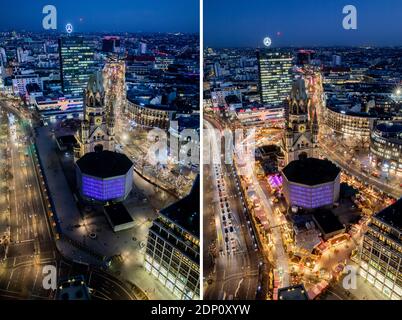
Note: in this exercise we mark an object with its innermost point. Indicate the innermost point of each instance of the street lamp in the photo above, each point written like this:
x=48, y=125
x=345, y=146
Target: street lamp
x=125, y=137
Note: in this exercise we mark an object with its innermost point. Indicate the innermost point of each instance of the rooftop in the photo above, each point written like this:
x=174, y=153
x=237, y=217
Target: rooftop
x=327, y=221
x=297, y=292
x=188, y=122
x=143, y=97
x=351, y=113
x=311, y=171
x=118, y=214
x=232, y=99
x=392, y=215
x=104, y=164
x=269, y=149
x=390, y=127
x=186, y=212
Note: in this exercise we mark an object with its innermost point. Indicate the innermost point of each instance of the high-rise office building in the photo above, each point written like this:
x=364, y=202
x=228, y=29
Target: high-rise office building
x=143, y=48
x=76, y=64
x=3, y=57
x=173, y=248
x=336, y=60
x=381, y=254
x=275, y=78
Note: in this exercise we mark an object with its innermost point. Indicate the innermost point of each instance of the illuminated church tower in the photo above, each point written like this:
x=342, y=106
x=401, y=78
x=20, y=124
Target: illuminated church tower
x=300, y=139
x=97, y=128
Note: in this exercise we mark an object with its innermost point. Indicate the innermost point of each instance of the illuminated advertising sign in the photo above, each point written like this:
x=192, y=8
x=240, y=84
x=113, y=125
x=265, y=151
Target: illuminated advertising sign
x=60, y=105
x=69, y=28
x=267, y=41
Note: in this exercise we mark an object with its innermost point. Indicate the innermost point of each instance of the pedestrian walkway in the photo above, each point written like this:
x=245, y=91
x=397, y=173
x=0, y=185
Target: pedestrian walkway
x=75, y=242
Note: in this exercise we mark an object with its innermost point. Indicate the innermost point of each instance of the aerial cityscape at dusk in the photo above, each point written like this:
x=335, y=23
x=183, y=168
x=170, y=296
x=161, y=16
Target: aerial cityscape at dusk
x=311, y=210
x=81, y=192
x=249, y=158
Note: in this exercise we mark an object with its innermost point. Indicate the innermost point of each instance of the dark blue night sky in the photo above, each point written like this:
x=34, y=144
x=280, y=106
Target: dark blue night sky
x=105, y=15
x=244, y=23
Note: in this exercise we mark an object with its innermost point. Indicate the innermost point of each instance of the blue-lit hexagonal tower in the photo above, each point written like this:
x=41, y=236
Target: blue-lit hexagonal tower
x=311, y=183
x=104, y=176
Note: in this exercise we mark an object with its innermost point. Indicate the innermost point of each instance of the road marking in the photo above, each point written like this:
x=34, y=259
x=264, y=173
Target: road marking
x=117, y=284
x=89, y=278
x=25, y=241
x=9, y=281
x=36, y=278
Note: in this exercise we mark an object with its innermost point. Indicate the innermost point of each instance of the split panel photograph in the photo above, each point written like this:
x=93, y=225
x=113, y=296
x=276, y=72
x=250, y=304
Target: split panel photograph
x=200, y=157
x=302, y=150
x=99, y=116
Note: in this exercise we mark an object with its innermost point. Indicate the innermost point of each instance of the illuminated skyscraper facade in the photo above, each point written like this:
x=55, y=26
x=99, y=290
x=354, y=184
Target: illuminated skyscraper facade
x=275, y=78
x=173, y=248
x=381, y=255
x=76, y=64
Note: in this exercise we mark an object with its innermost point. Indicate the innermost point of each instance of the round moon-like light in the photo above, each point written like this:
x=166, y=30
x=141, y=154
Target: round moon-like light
x=69, y=28
x=267, y=41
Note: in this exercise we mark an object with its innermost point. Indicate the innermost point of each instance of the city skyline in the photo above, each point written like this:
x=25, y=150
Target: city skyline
x=300, y=23
x=154, y=16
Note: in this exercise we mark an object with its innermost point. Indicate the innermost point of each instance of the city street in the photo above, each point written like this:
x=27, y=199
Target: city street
x=277, y=253
x=31, y=241
x=231, y=271
x=328, y=147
